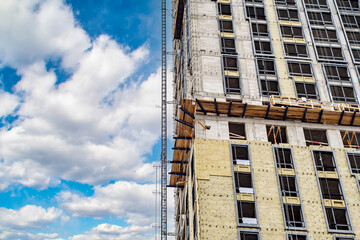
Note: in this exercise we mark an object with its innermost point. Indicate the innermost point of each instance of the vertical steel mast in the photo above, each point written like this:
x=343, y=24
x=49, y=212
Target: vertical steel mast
x=163, y=125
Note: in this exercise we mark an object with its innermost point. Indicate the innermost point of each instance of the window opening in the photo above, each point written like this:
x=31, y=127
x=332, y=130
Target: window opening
x=315, y=137
x=331, y=189
x=230, y=63
x=350, y=21
x=254, y=1
x=288, y=14
x=262, y=47
x=255, y=12
x=306, y=90
x=237, y=131
x=337, y=219
x=342, y=93
x=243, y=182
x=337, y=73
x=226, y=26
x=324, y=161
x=291, y=31
x=290, y=3
x=354, y=161
x=320, y=18
x=293, y=215
x=259, y=29
x=224, y=9
x=239, y=152
x=300, y=69
x=348, y=5
x=296, y=237
x=330, y=53
x=249, y=235
x=324, y=35
x=267, y=76
x=316, y=4
x=232, y=85
x=344, y=238
x=356, y=54
x=353, y=37
x=228, y=45
x=295, y=50
x=350, y=139
x=276, y=134
x=283, y=158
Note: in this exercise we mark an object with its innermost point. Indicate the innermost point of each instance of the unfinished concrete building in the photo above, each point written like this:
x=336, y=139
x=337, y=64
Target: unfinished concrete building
x=267, y=136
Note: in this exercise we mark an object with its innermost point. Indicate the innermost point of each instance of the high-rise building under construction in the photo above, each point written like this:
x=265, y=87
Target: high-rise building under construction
x=267, y=136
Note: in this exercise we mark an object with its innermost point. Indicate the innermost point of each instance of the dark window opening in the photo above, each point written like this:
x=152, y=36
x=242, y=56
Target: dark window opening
x=295, y=50
x=254, y=1
x=255, y=12
x=269, y=87
x=315, y=137
x=259, y=29
x=331, y=189
x=354, y=160
x=224, y=9
x=337, y=73
x=276, y=134
x=353, y=37
x=324, y=161
x=262, y=47
x=232, y=85
x=324, y=35
x=306, y=90
x=348, y=5
x=242, y=180
x=237, y=131
x=296, y=237
x=344, y=238
x=288, y=14
x=283, y=158
x=240, y=152
x=288, y=186
x=337, y=219
x=330, y=53
x=341, y=93
x=293, y=216
x=230, y=63
x=266, y=66
x=356, y=54
x=351, y=139
x=291, y=32
x=350, y=21
x=246, y=210
x=290, y=3
x=300, y=69
x=249, y=236
x=226, y=26
x=320, y=18
x=316, y=4
x=228, y=45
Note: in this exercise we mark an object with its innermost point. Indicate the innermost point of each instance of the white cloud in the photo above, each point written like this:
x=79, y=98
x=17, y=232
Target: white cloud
x=32, y=30
x=16, y=235
x=8, y=103
x=128, y=200
x=93, y=128
x=28, y=217
x=113, y=232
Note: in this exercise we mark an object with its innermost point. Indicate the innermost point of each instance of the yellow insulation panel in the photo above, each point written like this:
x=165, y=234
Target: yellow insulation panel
x=216, y=199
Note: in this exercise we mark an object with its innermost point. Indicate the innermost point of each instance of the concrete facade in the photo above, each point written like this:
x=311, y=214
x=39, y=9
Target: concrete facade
x=207, y=204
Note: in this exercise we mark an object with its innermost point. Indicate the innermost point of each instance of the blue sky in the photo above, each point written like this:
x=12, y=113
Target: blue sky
x=79, y=122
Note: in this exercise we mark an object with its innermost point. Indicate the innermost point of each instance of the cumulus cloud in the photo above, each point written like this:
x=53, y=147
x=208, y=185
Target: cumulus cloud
x=16, y=235
x=93, y=128
x=128, y=200
x=8, y=103
x=113, y=232
x=28, y=217
x=33, y=30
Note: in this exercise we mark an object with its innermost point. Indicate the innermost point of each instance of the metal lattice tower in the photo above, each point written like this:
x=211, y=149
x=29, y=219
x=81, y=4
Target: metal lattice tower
x=163, y=125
